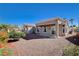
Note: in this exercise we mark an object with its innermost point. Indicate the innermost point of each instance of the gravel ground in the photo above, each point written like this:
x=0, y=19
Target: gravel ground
x=40, y=47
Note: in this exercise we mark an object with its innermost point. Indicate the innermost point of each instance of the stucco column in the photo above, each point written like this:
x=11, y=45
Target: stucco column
x=57, y=29
x=66, y=29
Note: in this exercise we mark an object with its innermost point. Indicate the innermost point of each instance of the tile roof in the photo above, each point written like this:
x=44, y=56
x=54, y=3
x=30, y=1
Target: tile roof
x=49, y=21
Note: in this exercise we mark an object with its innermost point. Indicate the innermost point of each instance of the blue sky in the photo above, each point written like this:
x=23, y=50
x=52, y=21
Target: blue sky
x=11, y=13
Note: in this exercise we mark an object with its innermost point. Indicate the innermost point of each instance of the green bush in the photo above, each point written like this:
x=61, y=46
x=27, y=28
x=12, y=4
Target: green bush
x=14, y=34
x=71, y=51
x=21, y=34
x=6, y=52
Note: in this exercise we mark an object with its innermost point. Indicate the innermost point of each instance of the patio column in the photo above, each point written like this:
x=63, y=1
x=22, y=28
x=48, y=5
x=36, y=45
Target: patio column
x=66, y=29
x=57, y=29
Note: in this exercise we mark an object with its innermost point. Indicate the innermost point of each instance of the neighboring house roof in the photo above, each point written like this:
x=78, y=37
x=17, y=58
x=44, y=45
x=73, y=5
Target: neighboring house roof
x=50, y=21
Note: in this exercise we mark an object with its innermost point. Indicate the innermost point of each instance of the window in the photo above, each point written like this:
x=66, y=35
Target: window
x=44, y=29
x=53, y=31
x=37, y=30
x=63, y=30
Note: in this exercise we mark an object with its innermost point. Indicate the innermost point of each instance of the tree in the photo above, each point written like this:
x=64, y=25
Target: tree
x=7, y=27
x=74, y=25
x=71, y=20
x=4, y=27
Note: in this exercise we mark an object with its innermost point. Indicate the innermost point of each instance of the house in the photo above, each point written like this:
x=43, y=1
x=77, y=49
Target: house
x=28, y=28
x=53, y=27
x=14, y=28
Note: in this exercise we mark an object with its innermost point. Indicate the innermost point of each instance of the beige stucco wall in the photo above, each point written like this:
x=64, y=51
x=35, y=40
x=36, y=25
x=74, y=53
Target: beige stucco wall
x=56, y=27
x=28, y=29
x=48, y=31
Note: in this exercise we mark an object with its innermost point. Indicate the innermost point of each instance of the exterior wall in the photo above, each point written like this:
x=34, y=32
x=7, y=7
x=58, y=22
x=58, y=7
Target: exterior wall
x=41, y=31
x=58, y=30
x=61, y=28
x=27, y=29
x=48, y=31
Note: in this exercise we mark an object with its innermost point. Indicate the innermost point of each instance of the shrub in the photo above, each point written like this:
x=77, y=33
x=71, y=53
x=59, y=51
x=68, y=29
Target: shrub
x=14, y=34
x=3, y=37
x=6, y=52
x=21, y=34
x=4, y=49
x=71, y=51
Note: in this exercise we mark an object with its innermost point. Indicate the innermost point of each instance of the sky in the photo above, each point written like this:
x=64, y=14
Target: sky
x=32, y=13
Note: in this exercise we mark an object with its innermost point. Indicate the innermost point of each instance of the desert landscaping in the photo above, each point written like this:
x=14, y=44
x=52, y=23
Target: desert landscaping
x=41, y=47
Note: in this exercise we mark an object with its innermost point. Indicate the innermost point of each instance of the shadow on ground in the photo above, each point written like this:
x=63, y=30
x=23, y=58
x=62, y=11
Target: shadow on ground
x=34, y=36
x=9, y=41
x=73, y=39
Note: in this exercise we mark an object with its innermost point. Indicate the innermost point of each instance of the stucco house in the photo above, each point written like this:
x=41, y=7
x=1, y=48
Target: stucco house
x=28, y=28
x=53, y=27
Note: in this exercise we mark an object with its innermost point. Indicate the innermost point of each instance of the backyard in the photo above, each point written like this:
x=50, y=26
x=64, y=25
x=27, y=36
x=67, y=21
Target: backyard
x=40, y=46
x=17, y=43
